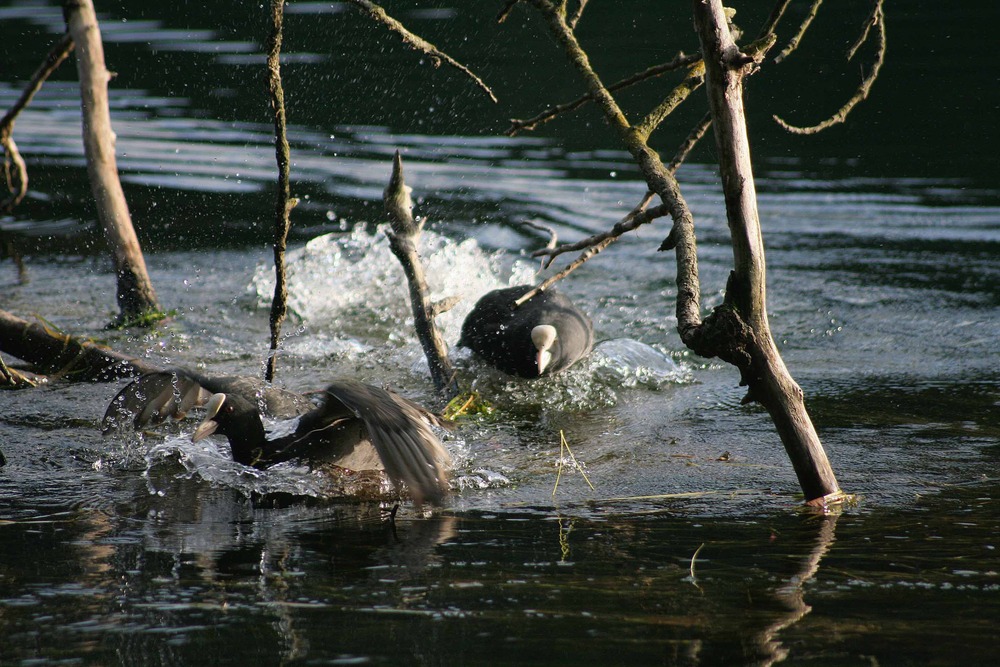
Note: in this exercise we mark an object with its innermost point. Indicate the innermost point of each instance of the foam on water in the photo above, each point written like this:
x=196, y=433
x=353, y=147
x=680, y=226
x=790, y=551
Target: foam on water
x=352, y=286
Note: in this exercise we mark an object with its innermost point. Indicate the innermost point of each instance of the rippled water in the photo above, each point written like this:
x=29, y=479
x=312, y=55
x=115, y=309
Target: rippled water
x=691, y=548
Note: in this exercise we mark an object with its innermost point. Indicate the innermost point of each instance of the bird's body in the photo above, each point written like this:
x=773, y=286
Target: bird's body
x=544, y=335
x=356, y=426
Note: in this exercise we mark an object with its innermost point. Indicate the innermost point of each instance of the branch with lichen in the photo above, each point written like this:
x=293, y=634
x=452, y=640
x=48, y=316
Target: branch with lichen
x=418, y=43
x=876, y=19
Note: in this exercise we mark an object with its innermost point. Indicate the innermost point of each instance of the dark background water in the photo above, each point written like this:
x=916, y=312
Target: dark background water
x=882, y=238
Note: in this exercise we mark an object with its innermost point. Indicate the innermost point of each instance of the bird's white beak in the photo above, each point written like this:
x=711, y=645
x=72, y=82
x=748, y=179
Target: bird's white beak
x=209, y=425
x=543, y=336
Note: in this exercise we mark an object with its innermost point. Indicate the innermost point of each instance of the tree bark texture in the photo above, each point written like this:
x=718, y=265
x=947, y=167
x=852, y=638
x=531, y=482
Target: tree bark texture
x=743, y=316
x=136, y=297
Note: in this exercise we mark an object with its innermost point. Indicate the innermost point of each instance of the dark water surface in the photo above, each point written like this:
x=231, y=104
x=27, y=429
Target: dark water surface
x=692, y=548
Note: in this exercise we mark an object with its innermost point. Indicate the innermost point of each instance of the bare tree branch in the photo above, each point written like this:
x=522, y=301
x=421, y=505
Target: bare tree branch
x=679, y=61
x=137, y=301
x=772, y=21
x=695, y=77
x=878, y=20
x=506, y=10
x=794, y=42
x=419, y=43
x=12, y=157
x=284, y=203
x=574, y=18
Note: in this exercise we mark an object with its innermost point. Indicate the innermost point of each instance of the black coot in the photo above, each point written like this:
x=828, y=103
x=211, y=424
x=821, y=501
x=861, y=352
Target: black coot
x=356, y=426
x=542, y=336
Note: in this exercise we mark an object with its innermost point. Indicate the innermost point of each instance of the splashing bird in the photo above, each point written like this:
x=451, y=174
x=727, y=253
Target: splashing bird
x=356, y=426
x=544, y=335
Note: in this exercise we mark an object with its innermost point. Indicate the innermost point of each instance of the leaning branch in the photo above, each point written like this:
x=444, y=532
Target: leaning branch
x=593, y=245
x=637, y=217
x=136, y=298
x=419, y=43
x=17, y=182
x=877, y=19
x=403, y=240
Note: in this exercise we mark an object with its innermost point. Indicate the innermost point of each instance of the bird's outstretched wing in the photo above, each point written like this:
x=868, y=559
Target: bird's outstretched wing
x=400, y=431
x=156, y=397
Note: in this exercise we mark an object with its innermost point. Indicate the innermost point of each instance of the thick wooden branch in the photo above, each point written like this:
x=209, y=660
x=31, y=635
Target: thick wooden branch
x=54, y=353
x=403, y=242
x=418, y=43
x=283, y=203
x=743, y=316
x=136, y=298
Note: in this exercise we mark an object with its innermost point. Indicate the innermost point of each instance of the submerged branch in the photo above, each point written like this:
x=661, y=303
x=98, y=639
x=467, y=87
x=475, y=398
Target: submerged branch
x=878, y=20
x=137, y=301
x=418, y=43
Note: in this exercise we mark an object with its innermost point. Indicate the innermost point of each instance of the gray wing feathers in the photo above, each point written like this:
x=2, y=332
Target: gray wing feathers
x=153, y=398
x=399, y=430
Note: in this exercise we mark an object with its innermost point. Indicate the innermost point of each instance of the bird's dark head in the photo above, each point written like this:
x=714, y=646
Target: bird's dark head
x=239, y=420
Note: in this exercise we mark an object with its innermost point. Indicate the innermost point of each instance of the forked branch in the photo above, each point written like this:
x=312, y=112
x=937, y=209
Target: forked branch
x=877, y=19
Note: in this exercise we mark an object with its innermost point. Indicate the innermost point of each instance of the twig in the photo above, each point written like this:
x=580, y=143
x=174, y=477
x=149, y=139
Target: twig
x=794, y=42
x=506, y=10
x=693, y=558
x=564, y=447
x=637, y=217
x=679, y=61
x=574, y=18
x=878, y=20
x=419, y=43
x=692, y=139
x=774, y=18
x=283, y=202
x=872, y=20
x=56, y=55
